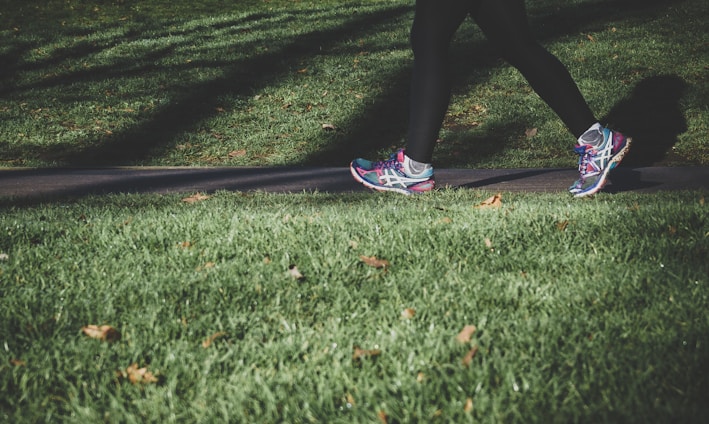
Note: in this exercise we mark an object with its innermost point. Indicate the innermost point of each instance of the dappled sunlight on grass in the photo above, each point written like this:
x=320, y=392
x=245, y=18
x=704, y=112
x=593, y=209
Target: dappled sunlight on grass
x=313, y=83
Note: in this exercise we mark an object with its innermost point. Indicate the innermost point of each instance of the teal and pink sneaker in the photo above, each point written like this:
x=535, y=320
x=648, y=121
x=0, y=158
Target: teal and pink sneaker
x=389, y=175
x=595, y=162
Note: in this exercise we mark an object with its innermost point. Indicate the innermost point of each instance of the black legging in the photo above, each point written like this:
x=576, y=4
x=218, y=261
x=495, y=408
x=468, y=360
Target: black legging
x=504, y=23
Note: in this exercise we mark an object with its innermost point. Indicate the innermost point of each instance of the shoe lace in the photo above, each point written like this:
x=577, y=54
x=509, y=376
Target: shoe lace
x=585, y=158
x=391, y=163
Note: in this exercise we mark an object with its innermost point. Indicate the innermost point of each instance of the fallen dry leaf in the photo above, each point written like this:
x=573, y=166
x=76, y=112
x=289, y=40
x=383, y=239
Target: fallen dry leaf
x=491, y=202
x=207, y=265
x=590, y=38
x=383, y=418
x=237, y=153
x=408, y=313
x=138, y=375
x=488, y=244
x=104, y=332
x=358, y=353
x=18, y=362
x=373, y=261
x=468, y=405
x=530, y=132
x=468, y=358
x=350, y=399
x=295, y=273
x=4, y=256
x=197, y=197
x=209, y=340
x=466, y=333
x=561, y=225
x=329, y=127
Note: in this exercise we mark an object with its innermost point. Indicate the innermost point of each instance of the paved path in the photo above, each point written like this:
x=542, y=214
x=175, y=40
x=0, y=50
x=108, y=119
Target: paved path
x=63, y=183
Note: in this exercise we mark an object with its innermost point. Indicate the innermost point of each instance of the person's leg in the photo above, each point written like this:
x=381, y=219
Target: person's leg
x=504, y=23
x=435, y=22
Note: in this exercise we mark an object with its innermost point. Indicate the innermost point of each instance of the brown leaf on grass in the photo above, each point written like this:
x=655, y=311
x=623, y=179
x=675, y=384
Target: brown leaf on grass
x=138, y=375
x=408, y=313
x=197, y=197
x=561, y=225
x=590, y=38
x=491, y=202
x=468, y=405
x=17, y=362
x=530, y=132
x=237, y=153
x=209, y=340
x=184, y=244
x=488, y=244
x=207, y=265
x=468, y=358
x=373, y=261
x=104, y=333
x=383, y=418
x=350, y=399
x=359, y=354
x=466, y=333
x=295, y=273
x=329, y=127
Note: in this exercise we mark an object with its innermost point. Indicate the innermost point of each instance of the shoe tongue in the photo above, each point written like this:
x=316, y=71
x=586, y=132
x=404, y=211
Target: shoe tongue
x=581, y=148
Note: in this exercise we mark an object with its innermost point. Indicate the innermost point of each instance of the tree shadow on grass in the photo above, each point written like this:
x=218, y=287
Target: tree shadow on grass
x=384, y=125
x=195, y=102
x=377, y=127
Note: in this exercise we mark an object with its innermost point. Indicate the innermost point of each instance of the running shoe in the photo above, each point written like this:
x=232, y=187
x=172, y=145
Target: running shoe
x=389, y=175
x=595, y=162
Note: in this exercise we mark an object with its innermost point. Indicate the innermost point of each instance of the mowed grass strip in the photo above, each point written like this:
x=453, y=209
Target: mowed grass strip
x=348, y=308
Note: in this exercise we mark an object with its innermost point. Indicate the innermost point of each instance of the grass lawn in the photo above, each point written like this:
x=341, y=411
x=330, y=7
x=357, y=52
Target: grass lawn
x=590, y=311
x=312, y=307
x=253, y=83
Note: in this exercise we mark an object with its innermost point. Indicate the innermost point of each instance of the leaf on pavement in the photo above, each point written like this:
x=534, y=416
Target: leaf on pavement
x=104, y=333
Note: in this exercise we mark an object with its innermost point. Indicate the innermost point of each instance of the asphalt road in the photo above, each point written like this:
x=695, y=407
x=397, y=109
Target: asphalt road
x=38, y=184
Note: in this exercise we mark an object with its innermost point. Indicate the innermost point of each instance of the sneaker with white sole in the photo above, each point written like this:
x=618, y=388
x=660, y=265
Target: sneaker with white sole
x=390, y=175
x=595, y=162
